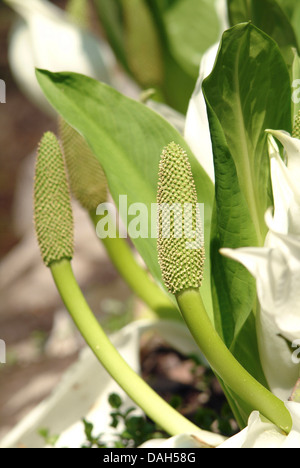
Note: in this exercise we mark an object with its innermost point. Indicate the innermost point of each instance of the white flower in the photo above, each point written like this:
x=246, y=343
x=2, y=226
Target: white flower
x=45, y=37
x=197, y=133
x=186, y=441
x=258, y=434
x=262, y=434
x=276, y=268
x=285, y=182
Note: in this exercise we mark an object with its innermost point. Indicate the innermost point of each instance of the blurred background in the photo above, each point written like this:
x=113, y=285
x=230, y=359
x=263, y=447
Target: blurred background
x=138, y=52
x=41, y=341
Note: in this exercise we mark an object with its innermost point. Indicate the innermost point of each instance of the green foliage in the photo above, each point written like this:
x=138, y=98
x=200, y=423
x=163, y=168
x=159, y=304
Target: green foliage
x=244, y=97
x=292, y=10
x=142, y=45
x=110, y=14
x=270, y=17
x=127, y=138
x=49, y=439
x=134, y=430
x=146, y=36
x=197, y=22
x=160, y=44
x=115, y=400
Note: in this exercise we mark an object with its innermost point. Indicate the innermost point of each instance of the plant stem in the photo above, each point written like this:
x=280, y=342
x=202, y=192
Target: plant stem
x=146, y=398
x=137, y=278
x=226, y=366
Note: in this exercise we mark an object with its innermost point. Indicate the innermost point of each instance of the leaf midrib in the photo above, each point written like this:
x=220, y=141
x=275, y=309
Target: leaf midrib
x=249, y=187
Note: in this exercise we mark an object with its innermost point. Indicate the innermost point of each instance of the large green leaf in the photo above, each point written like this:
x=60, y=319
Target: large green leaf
x=245, y=349
x=234, y=288
x=249, y=91
x=268, y=16
x=128, y=139
x=244, y=97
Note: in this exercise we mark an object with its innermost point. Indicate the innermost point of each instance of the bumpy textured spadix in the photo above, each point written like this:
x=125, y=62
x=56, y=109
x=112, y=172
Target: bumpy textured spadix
x=52, y=205
x=296, y=129
x=86, y=176
x=182, y=267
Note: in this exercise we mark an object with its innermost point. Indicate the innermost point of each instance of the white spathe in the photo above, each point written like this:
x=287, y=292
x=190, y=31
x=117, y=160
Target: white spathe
x=46, y=37
x=285, y=183
x=179, y=441
x=276, y=267
x=262, y=434
x=258, y=434
x=197, y=133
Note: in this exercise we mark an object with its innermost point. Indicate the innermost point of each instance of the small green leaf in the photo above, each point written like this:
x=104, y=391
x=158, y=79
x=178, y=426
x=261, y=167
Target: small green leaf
x=48, y=438
x=135, y=423
x=115, y=419
x=88, y=429
x=115, y=400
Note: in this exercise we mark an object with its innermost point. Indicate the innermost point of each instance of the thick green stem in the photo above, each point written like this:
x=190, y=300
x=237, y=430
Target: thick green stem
x=226, y=366
x=137, y=278
x=147, y=399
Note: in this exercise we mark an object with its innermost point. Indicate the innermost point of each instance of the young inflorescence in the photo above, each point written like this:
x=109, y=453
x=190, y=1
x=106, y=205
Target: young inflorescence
x=182, y=267
x=52, y=205
x=87, y=179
